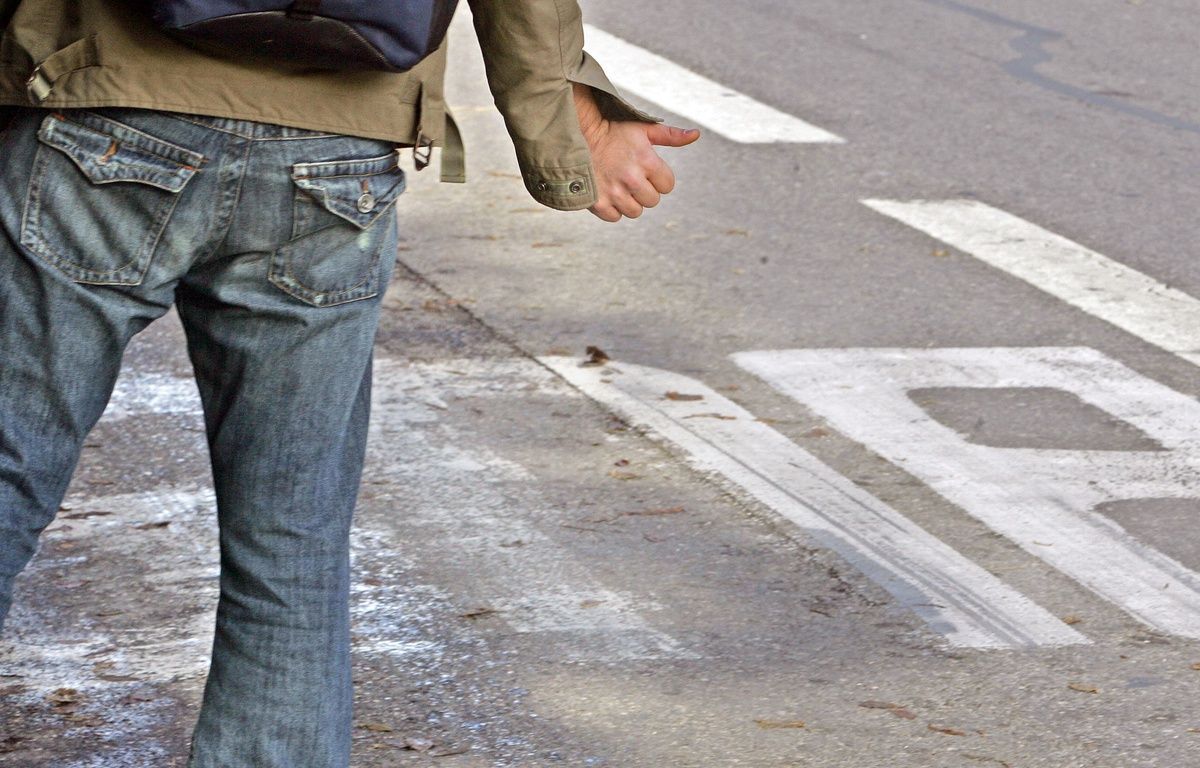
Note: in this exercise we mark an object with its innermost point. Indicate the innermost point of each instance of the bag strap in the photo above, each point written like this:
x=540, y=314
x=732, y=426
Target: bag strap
x=304, y=10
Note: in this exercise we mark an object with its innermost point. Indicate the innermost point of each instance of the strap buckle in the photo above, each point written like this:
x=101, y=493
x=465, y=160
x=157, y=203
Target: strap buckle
x=422, y=151
x=38, y=86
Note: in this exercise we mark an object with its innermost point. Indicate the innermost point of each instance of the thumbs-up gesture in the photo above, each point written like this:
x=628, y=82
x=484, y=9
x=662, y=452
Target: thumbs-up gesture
x=630, y=176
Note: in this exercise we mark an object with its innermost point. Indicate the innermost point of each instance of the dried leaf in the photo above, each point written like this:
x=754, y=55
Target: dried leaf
x=418, y=744
x=672, y=395
x=720, y=416
x=596, y=356
x=895, y=709
x=1072, y=619
x=619, y=475
x=480, y=611
x=1196, y=666
x=446, y=751
x=662, y=511
x=1083, y=688
x=152, y=526
x=84, y=515
x=780, y=723
x=946, y=730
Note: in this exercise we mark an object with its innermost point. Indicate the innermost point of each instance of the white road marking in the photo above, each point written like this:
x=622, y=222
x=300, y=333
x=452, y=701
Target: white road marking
x=419, y=473
x=731, y=114
x=147, y=393
x=955, y=596
x=177, y=564
x=477, y=503
x=1100, y=286
x=1041, y=499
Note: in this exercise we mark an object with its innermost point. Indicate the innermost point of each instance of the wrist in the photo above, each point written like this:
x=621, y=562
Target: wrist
x=591, y=121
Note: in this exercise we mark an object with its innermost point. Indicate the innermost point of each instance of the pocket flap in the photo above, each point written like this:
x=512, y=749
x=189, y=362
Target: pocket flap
x=107, y=151
x=359, y=191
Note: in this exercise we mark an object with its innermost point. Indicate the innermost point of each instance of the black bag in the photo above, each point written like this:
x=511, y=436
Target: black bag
x=388, y=35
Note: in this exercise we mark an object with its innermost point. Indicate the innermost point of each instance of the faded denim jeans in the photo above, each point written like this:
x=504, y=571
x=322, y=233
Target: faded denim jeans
x=275, y=244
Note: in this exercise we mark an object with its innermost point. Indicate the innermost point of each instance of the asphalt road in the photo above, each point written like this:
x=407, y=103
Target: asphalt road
x=923, y=492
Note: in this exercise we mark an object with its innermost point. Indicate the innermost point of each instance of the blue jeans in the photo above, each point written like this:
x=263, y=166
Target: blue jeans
x=276, y=245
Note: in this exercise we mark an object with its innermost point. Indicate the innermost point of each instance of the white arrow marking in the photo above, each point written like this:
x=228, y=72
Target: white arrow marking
x=953, y=595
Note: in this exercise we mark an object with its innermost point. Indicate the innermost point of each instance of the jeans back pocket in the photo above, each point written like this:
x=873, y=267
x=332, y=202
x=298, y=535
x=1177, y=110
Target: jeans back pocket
x=100, y=195
x=340, y=229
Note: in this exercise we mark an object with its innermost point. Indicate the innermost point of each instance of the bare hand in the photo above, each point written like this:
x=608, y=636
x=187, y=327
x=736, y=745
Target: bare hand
x=630, y=176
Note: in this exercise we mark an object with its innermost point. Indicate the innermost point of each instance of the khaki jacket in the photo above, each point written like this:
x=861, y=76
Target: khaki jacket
x=97, y=53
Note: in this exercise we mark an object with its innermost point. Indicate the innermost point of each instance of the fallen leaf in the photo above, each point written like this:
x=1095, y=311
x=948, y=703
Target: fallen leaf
x=817, y=432
x=371, y=581
x=941, y=253
x=84, y=515
x=590, y=603
x=581, y=528
x=446, y=751
x=64, y=699
x=720, y=416
x=780, y=723
x=418, y=744
x=546, y=244
x=672, y=395
x=1196, y=666
x=481, y=611
x=1083, y=688
x=895, y=709
x=377, y=727
x=946, y=730
x=596, y=356
x=619, y=475
x=152, y=526
x=662, y=511
x=1072, y=619
x=621, y=463
x=738, y=231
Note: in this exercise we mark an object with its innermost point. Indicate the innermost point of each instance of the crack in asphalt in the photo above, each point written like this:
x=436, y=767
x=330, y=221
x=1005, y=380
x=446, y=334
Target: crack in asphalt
x=1031, y=47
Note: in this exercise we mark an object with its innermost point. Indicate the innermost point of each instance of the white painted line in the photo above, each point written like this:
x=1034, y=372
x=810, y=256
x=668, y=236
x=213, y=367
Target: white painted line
x=731, y=114
x=1107, y=289
x=1043, y=500
x=475, y=503
x=953, y=595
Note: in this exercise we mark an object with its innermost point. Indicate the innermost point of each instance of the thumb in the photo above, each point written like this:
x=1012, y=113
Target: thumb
x=669, y=136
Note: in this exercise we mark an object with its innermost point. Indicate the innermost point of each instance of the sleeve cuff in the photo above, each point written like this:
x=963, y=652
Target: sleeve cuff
x=612, y=104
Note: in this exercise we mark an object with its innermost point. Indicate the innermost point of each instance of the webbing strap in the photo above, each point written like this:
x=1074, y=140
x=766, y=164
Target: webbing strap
x=454, y=153
x=80, y=54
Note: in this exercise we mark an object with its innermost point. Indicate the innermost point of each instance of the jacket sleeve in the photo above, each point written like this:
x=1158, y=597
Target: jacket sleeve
x=533, y=51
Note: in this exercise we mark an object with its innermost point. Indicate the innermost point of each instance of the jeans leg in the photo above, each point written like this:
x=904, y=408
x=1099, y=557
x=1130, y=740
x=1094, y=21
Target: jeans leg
x=286, y=394
x=61, y=340
x=60, y=354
